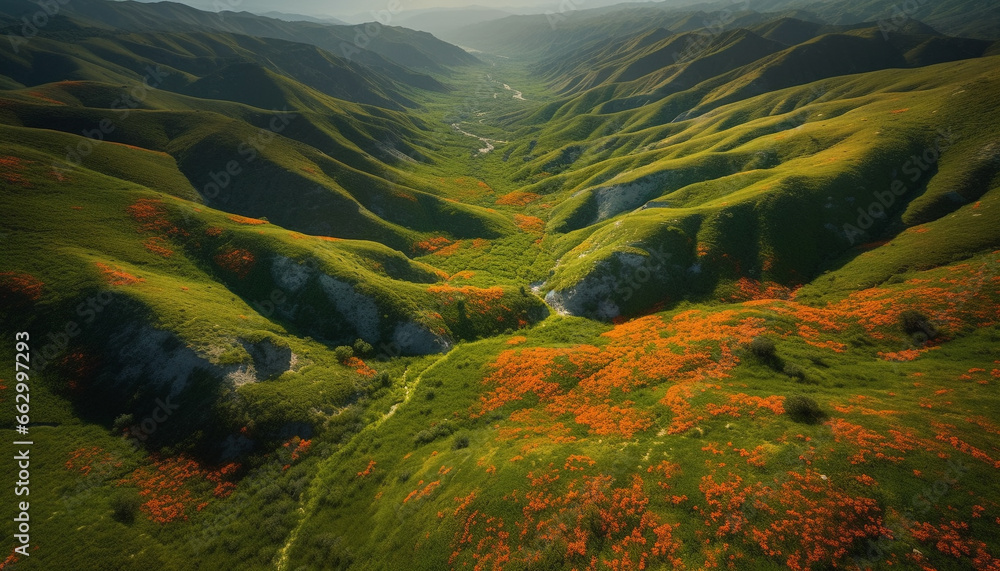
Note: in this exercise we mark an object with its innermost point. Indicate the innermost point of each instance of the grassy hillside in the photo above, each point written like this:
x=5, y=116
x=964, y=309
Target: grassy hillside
x=605, y=309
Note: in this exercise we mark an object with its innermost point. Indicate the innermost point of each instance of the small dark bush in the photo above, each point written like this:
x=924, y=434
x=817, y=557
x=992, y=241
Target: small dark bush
x=763, y=348
x=122, y=422
x=794, y=371
x=363, y=348
x=423, y=437
x=124, y=507
x=918, y=326
x=765, y=352
x=461, y=441
x=430, y=435
x=803, y=409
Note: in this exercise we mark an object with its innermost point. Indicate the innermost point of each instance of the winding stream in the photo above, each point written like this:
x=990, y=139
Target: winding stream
x=489, y=142
x=517, y=94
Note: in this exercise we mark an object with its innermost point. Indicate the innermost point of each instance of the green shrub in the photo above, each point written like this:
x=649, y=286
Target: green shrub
x=918, y=326
x=423, y=437
x=461, y=441
x=763, y=348
x=343, y=353
x=122, y=422
x=363, y=348
x=431, y=434
x=125, y=506
x=794, y=371
x=803, y=409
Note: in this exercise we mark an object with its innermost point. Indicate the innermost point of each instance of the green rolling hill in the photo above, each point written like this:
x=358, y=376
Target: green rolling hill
x=667, y=288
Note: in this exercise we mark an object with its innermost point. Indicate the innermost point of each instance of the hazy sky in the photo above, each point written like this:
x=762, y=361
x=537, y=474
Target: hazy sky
x=342, y=8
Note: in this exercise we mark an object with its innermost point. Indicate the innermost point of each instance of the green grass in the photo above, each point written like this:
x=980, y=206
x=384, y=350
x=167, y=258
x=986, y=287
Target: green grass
x=383, y=219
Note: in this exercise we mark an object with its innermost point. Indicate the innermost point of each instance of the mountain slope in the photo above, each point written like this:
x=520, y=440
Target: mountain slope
x=390, y=50
x=698, y=288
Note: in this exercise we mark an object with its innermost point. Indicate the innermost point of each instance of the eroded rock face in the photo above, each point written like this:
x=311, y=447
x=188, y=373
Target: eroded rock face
x=615, y=285
x=615, y=199
x=358, y=314
x=144, y=355
x=359, y=310
x=289, y=274
x=269, y=359
x=415, y=339
x=598, y=295
x=149, y=357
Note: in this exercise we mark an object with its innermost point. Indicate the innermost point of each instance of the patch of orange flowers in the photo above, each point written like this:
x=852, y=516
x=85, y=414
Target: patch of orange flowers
x=449, y=249
x=248, y=221
x=808, y=523
x=84, y=460
x=578, y=381
x=360, y=367
x=873, y=445
x=236, y=260
x=152, y=217
x=948, y=539
x=518, y=198
x=12, y=169
x=118, y=277
x=530, y=224
x=424, y=492
x=575, y=511
x=431, y=245
x=368, y=470
x=155, y=245
x=476, y=298
x=747, y=289
x=20, y=284
x=169, y=486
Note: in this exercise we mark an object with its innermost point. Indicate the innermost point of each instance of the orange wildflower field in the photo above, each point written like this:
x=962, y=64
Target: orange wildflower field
x=662, y=444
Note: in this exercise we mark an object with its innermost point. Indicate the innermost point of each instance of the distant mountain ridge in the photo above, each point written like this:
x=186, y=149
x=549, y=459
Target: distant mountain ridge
x=391, y=49
x=303, y=18
x=566, y=30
